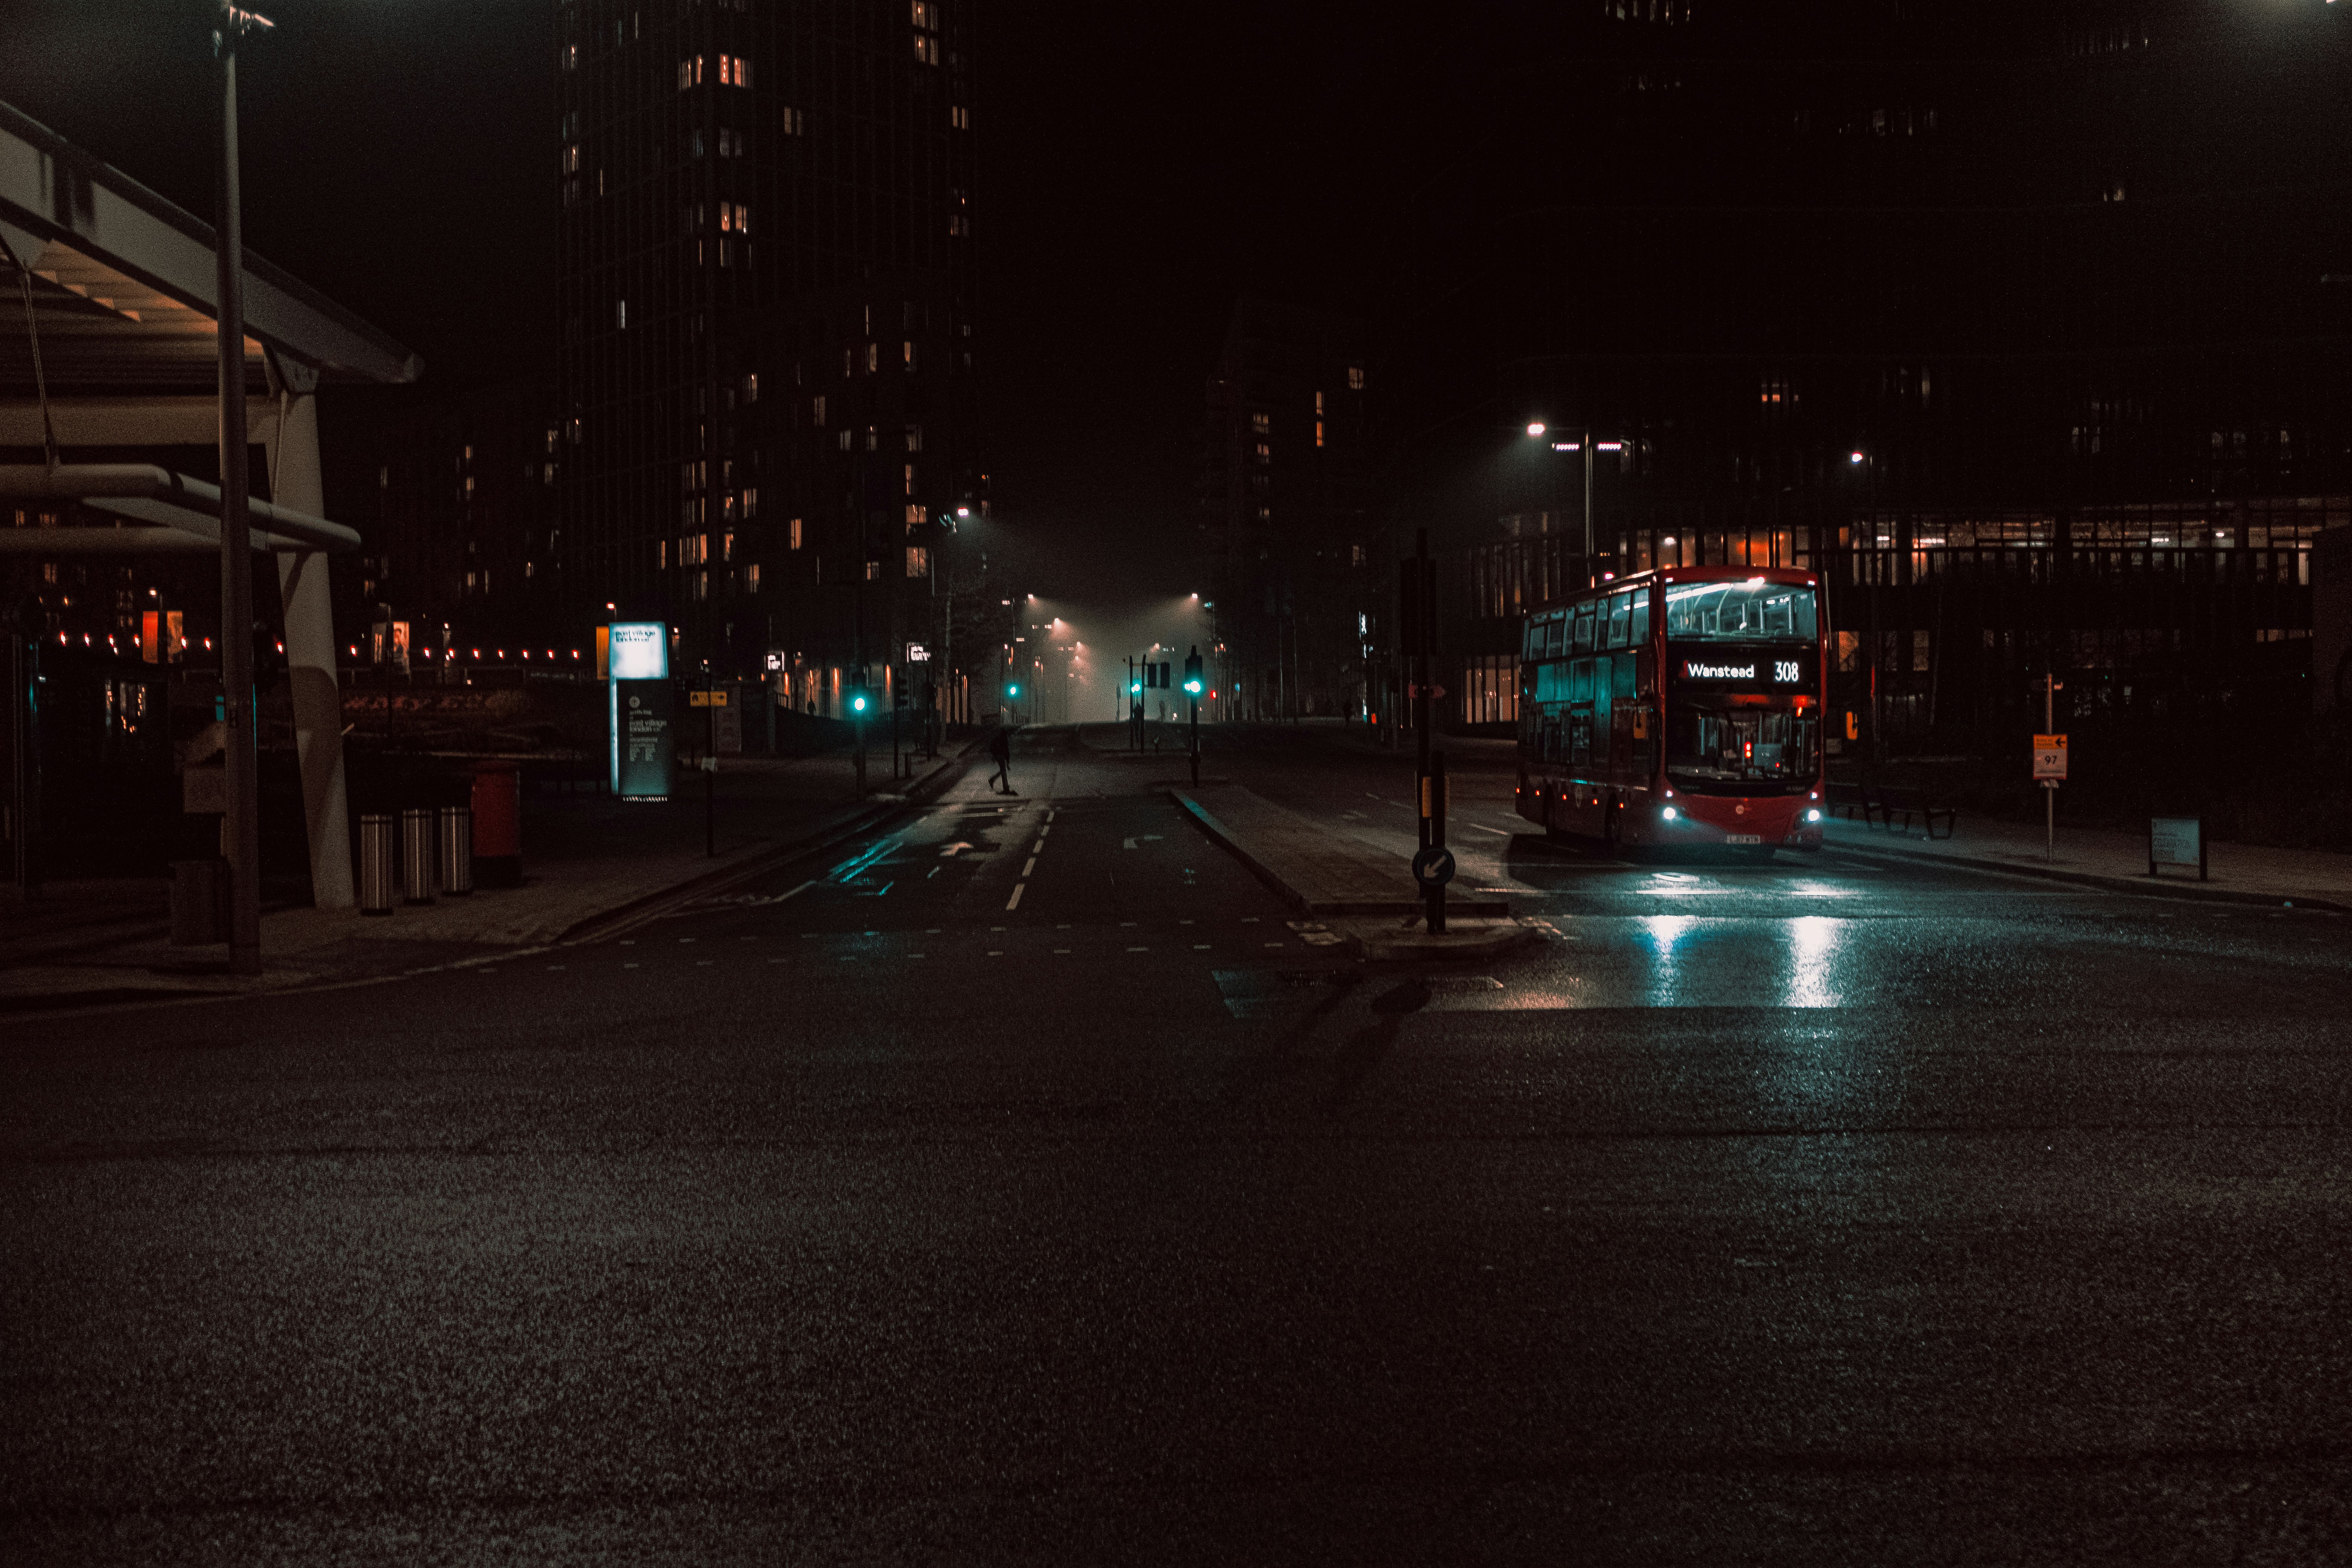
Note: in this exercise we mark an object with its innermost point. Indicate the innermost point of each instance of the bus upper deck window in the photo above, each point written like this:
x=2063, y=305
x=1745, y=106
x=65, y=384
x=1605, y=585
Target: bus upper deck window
x=1621, y=610
x=1582, y=642
x=1640, y=633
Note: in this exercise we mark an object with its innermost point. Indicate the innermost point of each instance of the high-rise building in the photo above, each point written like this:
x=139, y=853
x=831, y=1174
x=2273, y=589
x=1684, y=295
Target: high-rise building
x=767, y=419
x=2017, y=323
x=1284, y=496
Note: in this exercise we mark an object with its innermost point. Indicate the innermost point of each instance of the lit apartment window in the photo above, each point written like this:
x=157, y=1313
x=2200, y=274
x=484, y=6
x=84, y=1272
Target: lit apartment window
x=1356, y=556
x=873, y=440
x=750, y=503
x=794, y=533
x=914, y=437
x=872, y=358
x=911, y=483
x=550, y=443
x=571, y=159
x=846, y=441
x=621, y=314
x=751, y=577
x=751, y=386
x=795, y=123
x=909, y=347
x=919, y=561
x=960, y=117
x=689, y=73
x=818, y=403
x=1356, y=378
x=874, y=571
x=571, y=56
x=917, y=514
x=1264, y=453
x=1319, y=406
x=927, y=50
x=1261, y=422
x=1318, y=432
x=927, y=16
x=734, y=71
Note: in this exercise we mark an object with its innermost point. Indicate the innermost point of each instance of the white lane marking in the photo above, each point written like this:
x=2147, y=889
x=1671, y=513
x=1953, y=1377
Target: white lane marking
x=1184, y=923
x=996, y=952
x=1038, y=847
x=1199, y=947
x=1061, y=950
x=1274, y=944
x=1249, y=920
x=918, y=955
x=686, y=939
x=1138, y=950
x=704, y=963
x=1032, y=865
x=1014, y=901
x=1369, y=795
x=930, y=931
x=633, y=967
x=628, y=942
x=555, y=966
x=1495, y=831
x=771, y=960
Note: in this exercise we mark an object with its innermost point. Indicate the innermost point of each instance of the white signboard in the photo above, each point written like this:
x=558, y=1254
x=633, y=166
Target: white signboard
x=640, y=650
x=2176, y=841
x=917, y=654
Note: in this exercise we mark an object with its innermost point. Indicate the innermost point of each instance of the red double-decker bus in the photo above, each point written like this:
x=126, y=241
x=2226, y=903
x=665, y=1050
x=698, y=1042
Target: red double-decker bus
x=1679, y=707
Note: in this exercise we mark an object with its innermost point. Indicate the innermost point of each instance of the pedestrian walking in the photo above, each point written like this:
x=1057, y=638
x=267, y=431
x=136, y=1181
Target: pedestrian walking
x=1000, y=746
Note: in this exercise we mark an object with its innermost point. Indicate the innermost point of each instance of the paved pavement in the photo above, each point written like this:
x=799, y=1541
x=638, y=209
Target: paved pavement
x=587, y=858
x=1018, y=1183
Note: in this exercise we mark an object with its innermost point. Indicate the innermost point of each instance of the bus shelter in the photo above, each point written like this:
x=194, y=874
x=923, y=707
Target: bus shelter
x=109, y=351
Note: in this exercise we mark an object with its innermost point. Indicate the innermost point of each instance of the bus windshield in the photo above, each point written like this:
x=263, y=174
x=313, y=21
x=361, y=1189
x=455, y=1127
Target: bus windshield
x=1752, y=611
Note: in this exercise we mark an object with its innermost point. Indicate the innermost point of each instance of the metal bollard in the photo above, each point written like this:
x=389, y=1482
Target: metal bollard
x=456, y=850
x=416, y=854
x=375, y=863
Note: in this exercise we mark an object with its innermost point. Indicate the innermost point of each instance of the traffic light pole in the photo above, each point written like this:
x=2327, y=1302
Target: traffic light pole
x=1420, y=619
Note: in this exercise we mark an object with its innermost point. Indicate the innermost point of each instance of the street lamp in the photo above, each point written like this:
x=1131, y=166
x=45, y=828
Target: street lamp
x=241, y=759
x=1583, y=443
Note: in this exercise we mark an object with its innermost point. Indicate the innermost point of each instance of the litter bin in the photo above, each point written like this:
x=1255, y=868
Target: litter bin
x=497, y=825
x=418, y=854
x=456, y=850
x=376, y=863
x=199, y=902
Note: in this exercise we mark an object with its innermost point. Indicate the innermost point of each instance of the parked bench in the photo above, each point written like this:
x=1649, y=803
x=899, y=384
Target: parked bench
x=1911, y=801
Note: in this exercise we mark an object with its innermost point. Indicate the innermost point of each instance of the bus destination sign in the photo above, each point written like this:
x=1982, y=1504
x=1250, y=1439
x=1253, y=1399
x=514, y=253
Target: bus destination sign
x=1749, y=670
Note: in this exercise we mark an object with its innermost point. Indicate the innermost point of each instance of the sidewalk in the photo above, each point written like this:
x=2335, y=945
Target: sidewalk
x=2240, y=873
x=587, y=861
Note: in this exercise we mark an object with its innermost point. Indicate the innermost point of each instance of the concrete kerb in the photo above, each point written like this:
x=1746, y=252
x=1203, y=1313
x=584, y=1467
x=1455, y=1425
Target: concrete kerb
x=1477, y=929
x=2146, y=887
x=879, y=809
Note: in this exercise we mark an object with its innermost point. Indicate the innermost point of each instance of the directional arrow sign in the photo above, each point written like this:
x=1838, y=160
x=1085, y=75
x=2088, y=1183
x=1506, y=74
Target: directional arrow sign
x=952, y=850
x=1433, y=866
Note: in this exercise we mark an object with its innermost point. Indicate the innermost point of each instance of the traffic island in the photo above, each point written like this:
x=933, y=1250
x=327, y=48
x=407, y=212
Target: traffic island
x=1464, y=938
x=1341, y=886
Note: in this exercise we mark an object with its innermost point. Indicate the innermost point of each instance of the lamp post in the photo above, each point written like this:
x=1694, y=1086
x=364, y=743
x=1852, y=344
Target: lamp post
x=244, y=835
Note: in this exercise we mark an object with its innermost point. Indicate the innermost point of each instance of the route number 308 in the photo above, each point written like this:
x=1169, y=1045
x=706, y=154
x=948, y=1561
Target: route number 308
x=1784, y=669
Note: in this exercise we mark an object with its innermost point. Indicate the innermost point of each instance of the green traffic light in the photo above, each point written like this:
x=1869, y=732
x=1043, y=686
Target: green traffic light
x=1013, y=692
x=1193, y=687
x=857, y=704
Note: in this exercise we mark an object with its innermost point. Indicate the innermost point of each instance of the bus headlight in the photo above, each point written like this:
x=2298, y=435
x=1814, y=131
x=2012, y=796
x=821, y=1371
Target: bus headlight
x=1667, y=813
x=1814, y=815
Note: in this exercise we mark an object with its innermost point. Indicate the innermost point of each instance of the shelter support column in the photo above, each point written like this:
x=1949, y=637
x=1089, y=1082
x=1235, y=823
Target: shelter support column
x=310, y=661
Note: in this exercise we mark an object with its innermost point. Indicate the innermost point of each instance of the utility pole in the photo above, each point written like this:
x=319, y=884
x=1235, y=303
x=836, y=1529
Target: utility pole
x=709, y=766
x=1192, y=691
x=243, y=760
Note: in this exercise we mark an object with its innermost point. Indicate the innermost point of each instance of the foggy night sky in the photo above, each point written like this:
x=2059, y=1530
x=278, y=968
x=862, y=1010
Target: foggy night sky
x=1140, y=166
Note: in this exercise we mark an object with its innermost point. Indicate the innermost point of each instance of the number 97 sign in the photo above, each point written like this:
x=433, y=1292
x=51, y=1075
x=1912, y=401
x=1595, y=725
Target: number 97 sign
x=2050, y=757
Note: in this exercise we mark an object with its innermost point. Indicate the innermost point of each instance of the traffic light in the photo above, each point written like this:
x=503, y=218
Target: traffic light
x=1193, y=682
x=1013, y=692
x=1134, y=686
x=857, y=699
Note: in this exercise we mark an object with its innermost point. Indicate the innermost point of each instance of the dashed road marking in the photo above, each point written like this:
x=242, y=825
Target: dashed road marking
x=1026, y=871
x=1061, y=950
x=1014, y=901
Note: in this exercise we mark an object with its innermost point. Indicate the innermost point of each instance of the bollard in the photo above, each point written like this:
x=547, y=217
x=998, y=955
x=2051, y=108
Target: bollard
x=416, y=854
x=497, y=825
x=456, y=850
x=199, y=902
x=376, y=863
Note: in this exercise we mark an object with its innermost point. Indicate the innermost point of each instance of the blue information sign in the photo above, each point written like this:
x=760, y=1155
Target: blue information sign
x=643, y=750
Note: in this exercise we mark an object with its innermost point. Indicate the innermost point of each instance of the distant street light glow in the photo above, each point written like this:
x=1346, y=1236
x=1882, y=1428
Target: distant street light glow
x=1536, y=427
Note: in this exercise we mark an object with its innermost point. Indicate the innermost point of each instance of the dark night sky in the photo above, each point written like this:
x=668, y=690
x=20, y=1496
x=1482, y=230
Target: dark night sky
x=1140, y=166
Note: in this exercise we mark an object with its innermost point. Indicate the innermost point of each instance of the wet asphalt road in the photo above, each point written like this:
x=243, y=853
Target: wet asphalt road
x=1019, y=1184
